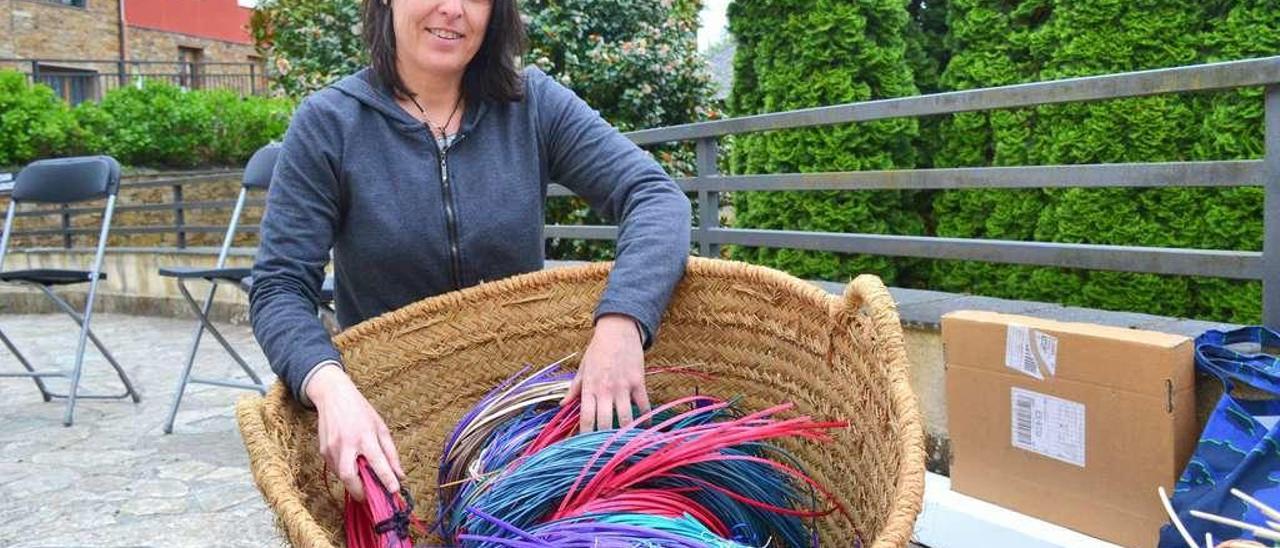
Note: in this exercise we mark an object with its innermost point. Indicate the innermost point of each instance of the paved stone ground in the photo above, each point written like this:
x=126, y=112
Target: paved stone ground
x=114, y=478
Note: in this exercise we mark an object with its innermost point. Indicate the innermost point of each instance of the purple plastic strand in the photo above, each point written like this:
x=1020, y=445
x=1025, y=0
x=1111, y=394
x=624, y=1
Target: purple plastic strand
x=501, y=524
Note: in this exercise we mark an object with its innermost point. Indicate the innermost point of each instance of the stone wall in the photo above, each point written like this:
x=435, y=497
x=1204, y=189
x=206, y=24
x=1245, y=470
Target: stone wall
x=133, y=284
x=86, y=216
x=155, y=45
x=44, y=29
x=40, y=28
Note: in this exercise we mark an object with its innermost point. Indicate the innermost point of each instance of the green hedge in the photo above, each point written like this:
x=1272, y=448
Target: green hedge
x=153, y=124
x=996, y=42
x=802, y=53
x=33, y=121
x=795, y=54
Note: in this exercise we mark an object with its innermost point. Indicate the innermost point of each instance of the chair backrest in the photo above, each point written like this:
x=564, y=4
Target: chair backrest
x=64, y=181
x=68, y=180
x=257, y=173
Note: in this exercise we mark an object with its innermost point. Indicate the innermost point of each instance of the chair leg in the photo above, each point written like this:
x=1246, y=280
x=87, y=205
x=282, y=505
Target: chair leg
x=44, y=393
x=217, y=335
x=329, y=319
x=185, y=376
x=86, y=334
x=202, y=325
x=130, y=392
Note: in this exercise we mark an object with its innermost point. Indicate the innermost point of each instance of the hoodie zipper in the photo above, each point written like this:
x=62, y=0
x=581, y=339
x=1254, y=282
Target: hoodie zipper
x=451, y=220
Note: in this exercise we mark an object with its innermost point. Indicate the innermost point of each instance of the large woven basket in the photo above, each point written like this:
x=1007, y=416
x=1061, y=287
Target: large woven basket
x=760, y=334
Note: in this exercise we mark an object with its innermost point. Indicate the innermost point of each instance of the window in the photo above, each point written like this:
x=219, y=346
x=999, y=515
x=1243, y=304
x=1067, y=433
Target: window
x=190, y=67
x=72, y=3
x=75, y=86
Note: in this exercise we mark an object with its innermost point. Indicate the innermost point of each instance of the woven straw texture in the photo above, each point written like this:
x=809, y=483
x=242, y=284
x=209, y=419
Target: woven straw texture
x=758, y=333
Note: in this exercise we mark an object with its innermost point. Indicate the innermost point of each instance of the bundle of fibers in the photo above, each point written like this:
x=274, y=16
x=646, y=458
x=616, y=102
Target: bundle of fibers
x=384, y=519
x=694, y=472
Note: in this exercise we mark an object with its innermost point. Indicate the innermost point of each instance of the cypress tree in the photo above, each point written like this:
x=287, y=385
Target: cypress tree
x=999, y=43
x=804, y=53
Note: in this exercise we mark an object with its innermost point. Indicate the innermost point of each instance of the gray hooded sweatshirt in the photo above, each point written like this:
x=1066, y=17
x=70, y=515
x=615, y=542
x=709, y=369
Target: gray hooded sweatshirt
x=407, y=220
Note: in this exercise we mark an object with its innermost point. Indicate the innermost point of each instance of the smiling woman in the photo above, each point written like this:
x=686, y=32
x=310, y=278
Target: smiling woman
x=416, y=40
x=427, y=172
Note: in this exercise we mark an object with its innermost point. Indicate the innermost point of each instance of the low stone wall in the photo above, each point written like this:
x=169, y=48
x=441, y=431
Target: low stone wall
x=133, y=284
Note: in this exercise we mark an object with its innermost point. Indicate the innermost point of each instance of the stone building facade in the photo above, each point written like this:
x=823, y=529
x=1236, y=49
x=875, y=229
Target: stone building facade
x=59, y=29
x=74, y=46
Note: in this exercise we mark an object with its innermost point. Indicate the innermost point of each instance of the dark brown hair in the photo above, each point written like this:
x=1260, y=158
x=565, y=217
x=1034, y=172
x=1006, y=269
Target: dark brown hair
x=491, y=75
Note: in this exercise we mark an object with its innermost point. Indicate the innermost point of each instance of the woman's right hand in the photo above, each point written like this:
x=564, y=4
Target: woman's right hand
x=350, y=427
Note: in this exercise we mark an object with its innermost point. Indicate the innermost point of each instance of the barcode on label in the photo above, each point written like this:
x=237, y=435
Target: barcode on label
x=1024, y=418
x=1029, y=364
x=1048, y=425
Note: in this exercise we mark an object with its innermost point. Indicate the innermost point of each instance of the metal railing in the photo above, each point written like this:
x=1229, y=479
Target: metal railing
x=708, y=184
x=79, y=80
x=67, y=228
x=1264, y=266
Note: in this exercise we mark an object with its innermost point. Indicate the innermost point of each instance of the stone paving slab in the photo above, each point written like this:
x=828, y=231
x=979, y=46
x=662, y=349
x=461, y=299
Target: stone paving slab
x=114, y=478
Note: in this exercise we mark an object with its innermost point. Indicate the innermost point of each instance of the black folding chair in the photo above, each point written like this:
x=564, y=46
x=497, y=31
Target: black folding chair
x=257, y=176
x=66, y=181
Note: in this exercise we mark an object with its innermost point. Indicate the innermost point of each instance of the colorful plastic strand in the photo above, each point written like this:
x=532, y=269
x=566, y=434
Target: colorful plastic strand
x=694, y=472
x=384, y=519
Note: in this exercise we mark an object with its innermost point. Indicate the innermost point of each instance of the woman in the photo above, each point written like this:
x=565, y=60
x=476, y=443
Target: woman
x=427, y=172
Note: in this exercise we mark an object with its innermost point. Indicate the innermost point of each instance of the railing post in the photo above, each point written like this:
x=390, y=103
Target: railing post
x=179, y=216
x=1271, y=214
x=66, y=227
x=35, y=72
x=253, y=78
x=708, y=201
x=121, y=75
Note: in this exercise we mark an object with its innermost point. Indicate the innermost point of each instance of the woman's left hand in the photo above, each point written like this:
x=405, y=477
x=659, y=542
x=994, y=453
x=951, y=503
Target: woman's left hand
x=611, y=375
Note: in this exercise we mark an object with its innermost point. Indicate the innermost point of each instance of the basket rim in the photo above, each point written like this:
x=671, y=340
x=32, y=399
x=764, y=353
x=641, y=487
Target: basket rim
x=704, y=267
x=271, y=472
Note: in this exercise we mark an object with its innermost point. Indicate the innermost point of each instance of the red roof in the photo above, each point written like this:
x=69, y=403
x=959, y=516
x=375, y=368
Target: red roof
x=216, y=19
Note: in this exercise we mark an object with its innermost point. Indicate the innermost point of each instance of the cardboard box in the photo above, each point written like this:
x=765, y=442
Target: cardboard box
x=1076, y=424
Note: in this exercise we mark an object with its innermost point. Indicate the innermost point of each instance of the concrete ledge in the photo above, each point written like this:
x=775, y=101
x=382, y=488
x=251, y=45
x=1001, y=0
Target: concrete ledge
x=952, y=520
x=922, y=309
x=133, y=284
x=34, y=302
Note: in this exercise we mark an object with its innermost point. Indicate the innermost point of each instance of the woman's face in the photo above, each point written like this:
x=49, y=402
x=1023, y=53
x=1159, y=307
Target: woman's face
x=440, y=37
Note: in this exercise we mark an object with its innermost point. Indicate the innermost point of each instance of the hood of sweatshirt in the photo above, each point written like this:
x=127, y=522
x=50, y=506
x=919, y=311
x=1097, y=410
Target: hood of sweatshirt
x=364, y=86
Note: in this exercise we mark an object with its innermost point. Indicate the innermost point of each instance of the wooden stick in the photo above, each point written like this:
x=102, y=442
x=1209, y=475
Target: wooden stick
x=1262, y=507
x=1260, y=532
x=464, y=480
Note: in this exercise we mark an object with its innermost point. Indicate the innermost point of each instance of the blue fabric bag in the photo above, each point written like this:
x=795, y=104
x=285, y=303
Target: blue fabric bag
x=1240, y=445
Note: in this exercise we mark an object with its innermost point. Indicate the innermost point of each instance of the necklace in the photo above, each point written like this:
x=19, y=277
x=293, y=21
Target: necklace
x=440, y=129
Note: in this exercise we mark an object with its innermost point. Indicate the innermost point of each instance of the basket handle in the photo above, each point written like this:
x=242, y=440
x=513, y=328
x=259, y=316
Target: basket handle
x=869, y=291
